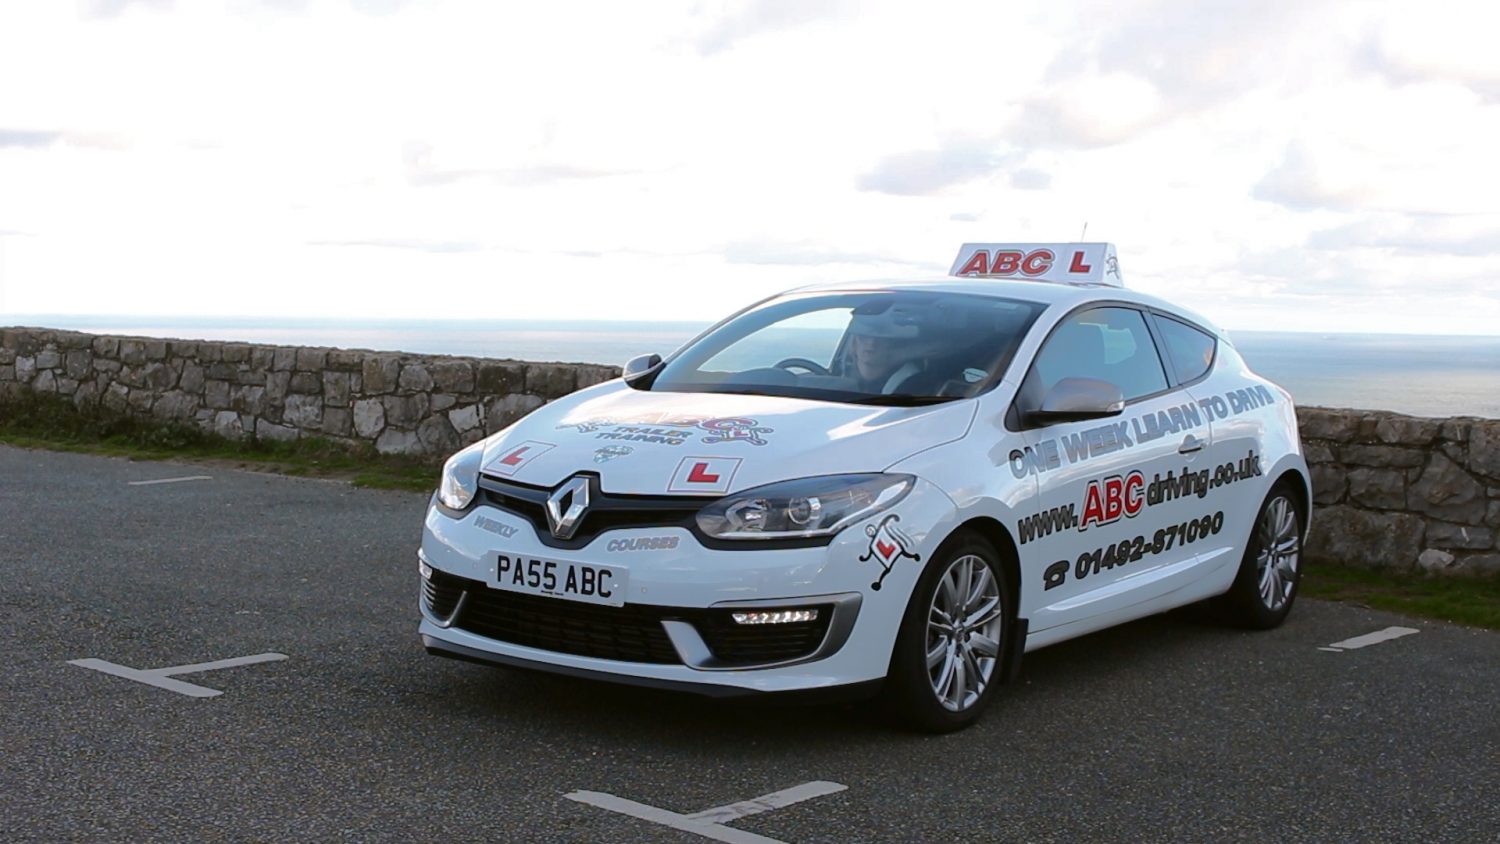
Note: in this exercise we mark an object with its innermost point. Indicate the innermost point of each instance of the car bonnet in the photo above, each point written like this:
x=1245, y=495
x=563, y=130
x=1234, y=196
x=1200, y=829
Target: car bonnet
x=652, y=443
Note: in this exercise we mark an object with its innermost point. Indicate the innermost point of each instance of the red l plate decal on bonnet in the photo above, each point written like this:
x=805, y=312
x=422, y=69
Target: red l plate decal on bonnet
x=704, y=474
x=700, y=475
x=510, y=461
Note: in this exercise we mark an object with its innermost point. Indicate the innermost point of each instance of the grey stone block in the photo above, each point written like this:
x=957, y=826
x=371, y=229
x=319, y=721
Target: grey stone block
x=311, y=360
x=415, y=378
x=1329, y=483
x=107, y=346
x=1349, y=536
x=236, y=353
x=1484, y=449
x=453, y=376
x=405, y=412
x=551, y=380
x=48, y=359
x=369, y=417
x=303, y=411
x=310, y=383
x=78, y=363
x=437, y=436
x=285, y=359
x=337, y=422
x=336, y=389
x=1450, y=536
x=1446, y=492
x=380, y=373
x=500, y=379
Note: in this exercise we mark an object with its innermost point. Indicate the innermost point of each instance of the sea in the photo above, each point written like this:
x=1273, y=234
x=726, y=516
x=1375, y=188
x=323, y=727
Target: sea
x=1415, y=374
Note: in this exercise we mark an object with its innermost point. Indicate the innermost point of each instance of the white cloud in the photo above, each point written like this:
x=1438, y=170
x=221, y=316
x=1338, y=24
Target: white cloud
x=679, y=159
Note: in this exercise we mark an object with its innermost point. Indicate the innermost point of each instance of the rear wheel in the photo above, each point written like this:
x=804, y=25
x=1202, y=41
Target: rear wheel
x=1266, y=586
x=949, y=654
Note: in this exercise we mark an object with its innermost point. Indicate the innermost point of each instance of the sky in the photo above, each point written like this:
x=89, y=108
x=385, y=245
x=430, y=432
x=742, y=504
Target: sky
x=1310, y=166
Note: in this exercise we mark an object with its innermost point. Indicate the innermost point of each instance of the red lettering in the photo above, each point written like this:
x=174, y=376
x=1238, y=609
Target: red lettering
x=1135, y=493
x=977, y=264
x=700, y=475
x=1078, y=266
x=514, y=458
x=1114, y=494
x=1093, y=506
x=1005, y=263
x=1038, y=262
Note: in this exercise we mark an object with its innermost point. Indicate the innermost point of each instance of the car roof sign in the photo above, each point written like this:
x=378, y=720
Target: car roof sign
x=1070, y=263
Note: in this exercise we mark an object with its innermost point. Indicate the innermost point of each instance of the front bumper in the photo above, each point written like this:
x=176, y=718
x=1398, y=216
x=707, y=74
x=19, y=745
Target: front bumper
x=673, y=631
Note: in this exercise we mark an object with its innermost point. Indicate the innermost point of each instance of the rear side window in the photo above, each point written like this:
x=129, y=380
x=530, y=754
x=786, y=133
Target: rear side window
x=1191, y=350
x=1109, y=344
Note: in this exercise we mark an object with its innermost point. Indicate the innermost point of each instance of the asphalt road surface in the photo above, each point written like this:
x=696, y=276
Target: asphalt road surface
x=1168, y=729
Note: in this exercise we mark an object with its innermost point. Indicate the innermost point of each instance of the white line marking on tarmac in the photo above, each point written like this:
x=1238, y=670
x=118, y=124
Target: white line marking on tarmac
x=162, y=677
x=774, y=800
x=1370, y=639
x=170, y=480
x=708, y=823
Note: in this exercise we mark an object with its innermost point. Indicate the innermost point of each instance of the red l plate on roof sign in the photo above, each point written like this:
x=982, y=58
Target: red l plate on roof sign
x=1077, y=263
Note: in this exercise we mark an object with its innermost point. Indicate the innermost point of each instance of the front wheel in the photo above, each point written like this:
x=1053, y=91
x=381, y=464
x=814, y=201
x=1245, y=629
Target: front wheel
x=950, y=650
x=1263, y=591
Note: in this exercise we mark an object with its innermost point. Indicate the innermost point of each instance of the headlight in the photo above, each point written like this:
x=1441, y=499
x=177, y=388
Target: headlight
x=802, y=508
x=461, y=477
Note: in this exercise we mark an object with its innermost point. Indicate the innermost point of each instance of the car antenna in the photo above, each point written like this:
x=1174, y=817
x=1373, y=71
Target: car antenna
x=1084, y=234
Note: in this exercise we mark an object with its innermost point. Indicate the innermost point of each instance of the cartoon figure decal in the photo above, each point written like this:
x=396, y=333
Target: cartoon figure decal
x=610, y=452
x=888, y=544
x=734, y=429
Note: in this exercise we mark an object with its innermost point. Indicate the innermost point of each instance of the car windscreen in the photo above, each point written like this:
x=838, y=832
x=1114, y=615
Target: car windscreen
x=903, y=347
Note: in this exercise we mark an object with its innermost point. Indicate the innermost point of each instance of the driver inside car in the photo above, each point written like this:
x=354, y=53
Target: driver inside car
x=888, y=351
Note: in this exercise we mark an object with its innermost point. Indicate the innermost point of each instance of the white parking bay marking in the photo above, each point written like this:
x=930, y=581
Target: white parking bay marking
x=162, y=677
x=774, y=800
x=170, y=480
x=1370, y=639
x=709, y=822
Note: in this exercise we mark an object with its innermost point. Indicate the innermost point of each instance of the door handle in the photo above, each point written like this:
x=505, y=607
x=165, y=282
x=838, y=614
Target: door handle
x=1190, y=445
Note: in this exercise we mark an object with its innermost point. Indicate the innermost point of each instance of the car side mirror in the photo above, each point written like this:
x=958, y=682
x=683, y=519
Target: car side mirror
x=1078, y=399
x=639, y=367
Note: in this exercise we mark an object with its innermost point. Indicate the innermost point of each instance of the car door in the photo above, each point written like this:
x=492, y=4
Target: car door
x=1235, y=405
x=1116, y=520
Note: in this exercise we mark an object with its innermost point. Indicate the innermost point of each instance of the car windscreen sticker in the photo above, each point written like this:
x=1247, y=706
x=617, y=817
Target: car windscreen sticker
x=510, y=460
x=704, y=474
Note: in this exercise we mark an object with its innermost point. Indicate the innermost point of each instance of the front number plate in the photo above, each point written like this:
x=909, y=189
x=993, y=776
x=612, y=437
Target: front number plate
x=562, y=579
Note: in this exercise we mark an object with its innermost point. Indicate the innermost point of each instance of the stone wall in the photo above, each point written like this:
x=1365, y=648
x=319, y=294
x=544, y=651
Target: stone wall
x=1401, y=492
x=400, y=403
x=1390, y=491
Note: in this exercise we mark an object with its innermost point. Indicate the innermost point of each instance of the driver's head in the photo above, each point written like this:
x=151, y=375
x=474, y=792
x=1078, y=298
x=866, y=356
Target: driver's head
x=882, y=337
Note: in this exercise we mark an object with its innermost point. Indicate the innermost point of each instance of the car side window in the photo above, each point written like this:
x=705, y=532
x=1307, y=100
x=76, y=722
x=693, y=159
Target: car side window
x=1192, y=351
x=1108, y=344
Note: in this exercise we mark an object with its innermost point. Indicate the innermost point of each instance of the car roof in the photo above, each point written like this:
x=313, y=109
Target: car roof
x=1060, y=295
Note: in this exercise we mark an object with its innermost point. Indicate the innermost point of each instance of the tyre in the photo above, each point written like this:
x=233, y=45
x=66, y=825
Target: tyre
x=1266, y=586
x=950, y=650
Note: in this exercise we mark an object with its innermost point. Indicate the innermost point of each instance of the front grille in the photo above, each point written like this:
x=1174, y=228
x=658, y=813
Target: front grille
x=752, y=644
x=607, y=511
x=629, y=633
x=441, y=593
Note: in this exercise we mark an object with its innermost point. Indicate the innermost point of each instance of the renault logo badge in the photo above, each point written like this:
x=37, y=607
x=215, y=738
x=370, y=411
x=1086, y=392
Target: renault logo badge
x=566, y=507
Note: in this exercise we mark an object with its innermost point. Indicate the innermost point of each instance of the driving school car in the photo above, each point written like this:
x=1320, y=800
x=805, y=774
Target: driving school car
x=899, y=487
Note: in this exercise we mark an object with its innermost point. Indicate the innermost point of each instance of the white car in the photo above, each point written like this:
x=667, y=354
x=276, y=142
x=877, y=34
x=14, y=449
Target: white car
x=899, y=486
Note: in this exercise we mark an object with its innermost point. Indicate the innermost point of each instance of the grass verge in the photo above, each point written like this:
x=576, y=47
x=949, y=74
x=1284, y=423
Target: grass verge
x=1474, y=601
x=50, y=422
